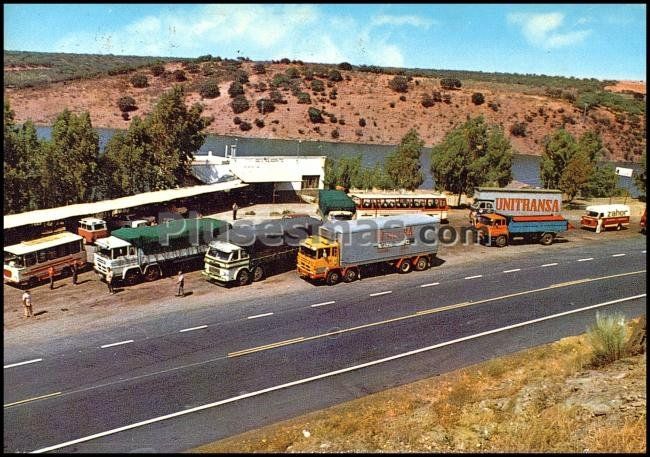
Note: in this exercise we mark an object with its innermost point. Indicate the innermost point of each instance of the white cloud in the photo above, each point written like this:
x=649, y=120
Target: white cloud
x=543, y=29
x=415, y=21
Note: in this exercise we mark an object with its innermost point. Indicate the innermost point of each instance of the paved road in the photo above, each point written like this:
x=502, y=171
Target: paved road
x=167, y=365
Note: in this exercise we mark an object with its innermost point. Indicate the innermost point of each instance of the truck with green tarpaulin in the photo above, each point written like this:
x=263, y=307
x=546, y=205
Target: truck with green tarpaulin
x=335, y=205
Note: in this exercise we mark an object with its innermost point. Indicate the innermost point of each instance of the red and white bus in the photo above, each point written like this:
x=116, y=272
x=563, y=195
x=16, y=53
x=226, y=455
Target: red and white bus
x=376, y=204
x=28, y=262
x=603, y=217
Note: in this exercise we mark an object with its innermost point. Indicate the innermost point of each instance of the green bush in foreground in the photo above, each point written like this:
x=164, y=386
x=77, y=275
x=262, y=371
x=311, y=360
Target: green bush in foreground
x=607, y=338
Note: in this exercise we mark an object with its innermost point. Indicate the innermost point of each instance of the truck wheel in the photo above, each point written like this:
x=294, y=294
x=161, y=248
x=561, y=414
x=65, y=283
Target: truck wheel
x=405, y=266
x=132, y=276
x=501, y=241
x=243, y=277
x=152, y=274
x=258, y=273
x=547, y=239
x=422, y=264
x=333, y=277
x=350, y=275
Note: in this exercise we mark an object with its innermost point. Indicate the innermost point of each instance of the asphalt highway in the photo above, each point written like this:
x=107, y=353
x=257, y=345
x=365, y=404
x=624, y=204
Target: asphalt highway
x=170, y=382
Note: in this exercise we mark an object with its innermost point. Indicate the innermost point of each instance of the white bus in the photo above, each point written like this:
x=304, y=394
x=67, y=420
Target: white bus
x=28, y=262
x=387, y=204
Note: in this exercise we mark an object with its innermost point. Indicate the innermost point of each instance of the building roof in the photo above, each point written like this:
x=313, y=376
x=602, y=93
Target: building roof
x=82, y=209
x=42, y=243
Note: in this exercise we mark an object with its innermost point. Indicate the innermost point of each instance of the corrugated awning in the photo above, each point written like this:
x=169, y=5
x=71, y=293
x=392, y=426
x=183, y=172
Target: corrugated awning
x=84, y=209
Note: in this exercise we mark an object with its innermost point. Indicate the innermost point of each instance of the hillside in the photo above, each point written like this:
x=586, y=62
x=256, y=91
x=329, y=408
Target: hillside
x=359, y=95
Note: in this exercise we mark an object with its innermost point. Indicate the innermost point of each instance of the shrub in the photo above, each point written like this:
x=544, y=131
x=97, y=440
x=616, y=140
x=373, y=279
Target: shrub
x=292, y=72
x=335, y=133
x=239, y=104
x=518, y=129
x=607, y=338
x=303, y=97
x=437, y=96
x=450, y=83
x=179, y=75
x=205, y=58
x=315, y=115
x=398, y=84
x=261, y=86
x=259, y=123
x=333, y=119
x=209, y=89
x=285, y=60
x=334, y=75
x=427, y=101
x=362, y=122
x=139, y=80
x=276, y=96
x=245, y=126
x=126, y=104
x=494, y=106
x=207, y=69
x=280, y=80
x=345, y=66
x=259, y=69
x=241, y=76
x=237, y=120
x=392, y=104
x=317, y=85
x=193, y=68
x=308, y=74
x=446, y=98
x=477, y=98
x=265, y=105
x=402, y=98
x=157, y=69
x=235, y=89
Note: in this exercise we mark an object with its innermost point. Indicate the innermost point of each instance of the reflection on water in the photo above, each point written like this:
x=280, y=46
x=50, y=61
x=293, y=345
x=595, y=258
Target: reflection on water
x=525, y=168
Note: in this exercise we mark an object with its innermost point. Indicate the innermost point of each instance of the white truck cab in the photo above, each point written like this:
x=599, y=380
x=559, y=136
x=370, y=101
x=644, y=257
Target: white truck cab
x=225, y=260
x=116, y=254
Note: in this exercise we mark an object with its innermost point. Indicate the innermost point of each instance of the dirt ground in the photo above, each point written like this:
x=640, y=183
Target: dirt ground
x=90, y=299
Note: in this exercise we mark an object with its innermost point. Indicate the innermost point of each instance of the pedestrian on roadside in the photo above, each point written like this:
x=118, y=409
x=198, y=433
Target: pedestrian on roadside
x=50, y=274
x=234, y=211
x=109, y=281
x=27, y=304
x=74, y=274
x=180, y=281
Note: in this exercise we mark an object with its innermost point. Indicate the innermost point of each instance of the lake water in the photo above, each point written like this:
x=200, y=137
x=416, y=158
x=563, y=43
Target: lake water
x=525, y=168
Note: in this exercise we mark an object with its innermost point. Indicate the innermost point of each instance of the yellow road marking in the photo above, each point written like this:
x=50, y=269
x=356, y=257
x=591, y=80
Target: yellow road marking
x=32, y=399
x=420, y=313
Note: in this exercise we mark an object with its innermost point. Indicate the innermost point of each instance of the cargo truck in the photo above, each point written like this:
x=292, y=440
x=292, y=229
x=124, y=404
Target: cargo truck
x=603, y=217
x=249, y=253
x=335, y=205
x=498, y=230
x=515, y=202
x=149, y=252
x=343, y=248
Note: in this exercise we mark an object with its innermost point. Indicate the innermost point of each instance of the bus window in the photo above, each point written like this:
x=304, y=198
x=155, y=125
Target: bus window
x=75, y=247
x=30, y=259
x=63, y=250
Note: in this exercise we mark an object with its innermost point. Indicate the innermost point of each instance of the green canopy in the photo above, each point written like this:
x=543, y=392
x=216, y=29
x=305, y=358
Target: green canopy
x=334, y=200
x=178, y=233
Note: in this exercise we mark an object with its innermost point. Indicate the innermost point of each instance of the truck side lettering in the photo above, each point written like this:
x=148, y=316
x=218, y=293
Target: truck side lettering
x=527, y=204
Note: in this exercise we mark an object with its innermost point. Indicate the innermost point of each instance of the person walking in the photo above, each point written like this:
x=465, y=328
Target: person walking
x=74, y=274
x=27, y=304
x=109, y=281
x=180, y=281
x=50, y=274
x=234, y=211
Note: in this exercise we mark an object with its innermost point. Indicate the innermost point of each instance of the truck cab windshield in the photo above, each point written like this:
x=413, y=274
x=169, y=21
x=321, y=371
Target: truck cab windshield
x=219, y=255
x=308, y=252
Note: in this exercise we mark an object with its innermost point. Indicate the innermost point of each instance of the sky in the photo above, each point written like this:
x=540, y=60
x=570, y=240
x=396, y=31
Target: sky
x=602, y=41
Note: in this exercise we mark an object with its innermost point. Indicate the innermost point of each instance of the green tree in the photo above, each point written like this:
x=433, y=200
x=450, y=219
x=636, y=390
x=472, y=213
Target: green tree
x=558, y=150
x=472, y=155
x=592, y=144
x=342, y=172
x=602, y=183
x=403, y=165
x=641, y=176
x=576, y=174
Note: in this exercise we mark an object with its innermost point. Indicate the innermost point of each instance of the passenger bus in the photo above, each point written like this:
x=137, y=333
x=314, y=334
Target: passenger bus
x=28, y=262
x=374, y=205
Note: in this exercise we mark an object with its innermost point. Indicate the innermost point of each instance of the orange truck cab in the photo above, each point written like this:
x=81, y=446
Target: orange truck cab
x=497, y=230
x=91, y=229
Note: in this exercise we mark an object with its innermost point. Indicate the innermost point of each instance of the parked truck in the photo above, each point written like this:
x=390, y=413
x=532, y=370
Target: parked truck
x=335, y=205
x=150, y=251
x=515, y=202
x=603, y=217
x=249, y=253
x=343, y=248
x=498, y=230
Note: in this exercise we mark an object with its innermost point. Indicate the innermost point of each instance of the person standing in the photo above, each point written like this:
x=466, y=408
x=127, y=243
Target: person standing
x=27, y=304
x=234, y=211
x=50, y=273
x=109, y=281
x=181, y=284
x=74, y=274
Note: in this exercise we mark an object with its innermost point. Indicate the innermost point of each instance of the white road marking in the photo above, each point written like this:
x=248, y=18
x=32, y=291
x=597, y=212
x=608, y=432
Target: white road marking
x=617, y=255
x=549, y=264
x=327, y=375
x=193, y=328
x=22, y=363
x=116, y=344
x=584, y=260
x=472, y=277
x=259, y=315
x=54, y=394
x=323, y=304
x=430, y=284
x=381, y=293
x=511, y=271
